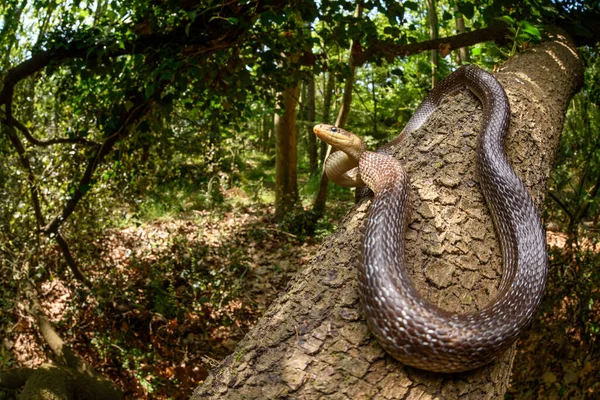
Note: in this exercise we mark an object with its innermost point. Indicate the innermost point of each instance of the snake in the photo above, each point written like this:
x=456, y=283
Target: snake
x=413, y=330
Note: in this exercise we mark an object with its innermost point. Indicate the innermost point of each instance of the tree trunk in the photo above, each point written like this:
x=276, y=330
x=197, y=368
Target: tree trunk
x=463, y=52
x=344, y=111
x=301, y=112
x=313, y=342
x=374, y=96
x=342, y=118
x=327, y=97
x=433, y=34
x=267, y=125
x=286, y=185
x=310, y=121
x=71, y=377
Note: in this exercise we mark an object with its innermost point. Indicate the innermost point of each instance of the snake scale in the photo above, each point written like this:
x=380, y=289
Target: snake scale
x=412, y=330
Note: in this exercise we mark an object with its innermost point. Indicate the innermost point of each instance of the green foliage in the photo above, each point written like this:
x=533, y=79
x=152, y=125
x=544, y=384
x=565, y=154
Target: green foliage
x=574, y=183
x=557, y=359
x=522, y=34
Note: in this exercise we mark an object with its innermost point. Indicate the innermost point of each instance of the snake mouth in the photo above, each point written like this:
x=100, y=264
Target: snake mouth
x=333, y=135
x=341, y=139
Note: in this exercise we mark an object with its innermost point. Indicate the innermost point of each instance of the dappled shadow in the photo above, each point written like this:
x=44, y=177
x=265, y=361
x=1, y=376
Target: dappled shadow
x=558, y=357
x=174, y=295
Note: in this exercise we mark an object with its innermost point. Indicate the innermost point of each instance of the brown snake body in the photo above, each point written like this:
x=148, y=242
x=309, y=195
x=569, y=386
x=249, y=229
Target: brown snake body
x=411, y=329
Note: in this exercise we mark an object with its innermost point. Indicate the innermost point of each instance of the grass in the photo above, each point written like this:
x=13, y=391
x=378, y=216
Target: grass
x=253, y=183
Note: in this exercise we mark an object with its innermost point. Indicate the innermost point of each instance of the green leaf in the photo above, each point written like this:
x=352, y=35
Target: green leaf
x=506, y=19
x=83, y=189
x=149, y=90
x=411, y=5
x=446, y=16
x=530, y=29
x=476, y=51
x=524, y=37
x=233, y=20
x=166, y=75
x=392, y=31
x=397, y=72
x=467, y=10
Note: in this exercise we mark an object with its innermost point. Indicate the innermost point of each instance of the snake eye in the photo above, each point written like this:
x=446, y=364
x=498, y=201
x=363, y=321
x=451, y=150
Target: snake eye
x=333, y=129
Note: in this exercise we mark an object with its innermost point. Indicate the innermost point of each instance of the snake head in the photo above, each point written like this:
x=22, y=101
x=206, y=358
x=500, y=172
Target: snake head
x=341, y=139
x=341, y=166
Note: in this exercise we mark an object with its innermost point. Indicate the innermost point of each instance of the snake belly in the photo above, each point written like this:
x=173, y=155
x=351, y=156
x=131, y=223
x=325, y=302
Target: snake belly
x=408, y=327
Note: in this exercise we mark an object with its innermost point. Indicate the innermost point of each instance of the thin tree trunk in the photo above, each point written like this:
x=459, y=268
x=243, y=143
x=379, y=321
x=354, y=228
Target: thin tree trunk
x=286, y=185
x=344, y=111
x=463, y=52
x=321, y=198
x=265, y=131
x=314, y=343
x=68, y=378
x=310, y=121
x=433, y=34
x=374, y=95
x=327, y=97
x=301, y=111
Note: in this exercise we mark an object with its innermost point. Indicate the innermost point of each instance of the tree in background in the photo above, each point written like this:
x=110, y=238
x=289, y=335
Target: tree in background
x=433, y=34
x=286, y=184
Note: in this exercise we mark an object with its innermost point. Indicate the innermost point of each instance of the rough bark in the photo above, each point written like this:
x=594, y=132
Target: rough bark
x=313, y=342
x=286, y=185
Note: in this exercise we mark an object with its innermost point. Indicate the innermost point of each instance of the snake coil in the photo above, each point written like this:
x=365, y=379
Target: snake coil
x=412, y=330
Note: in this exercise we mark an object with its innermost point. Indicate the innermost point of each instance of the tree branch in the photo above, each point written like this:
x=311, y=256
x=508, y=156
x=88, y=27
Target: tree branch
x=128, y=121
x=64, y=246
x=588, y=200
x=33, y=188
x=64, y=355
x=202, y=36
x=44, y=143
x=495, y=32
x=88, y=377
x=561, y=205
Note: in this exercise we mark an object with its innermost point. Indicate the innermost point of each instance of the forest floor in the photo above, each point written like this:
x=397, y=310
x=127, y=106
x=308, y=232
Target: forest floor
x=559, y=358
x=172, y=297
x=157, y=334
